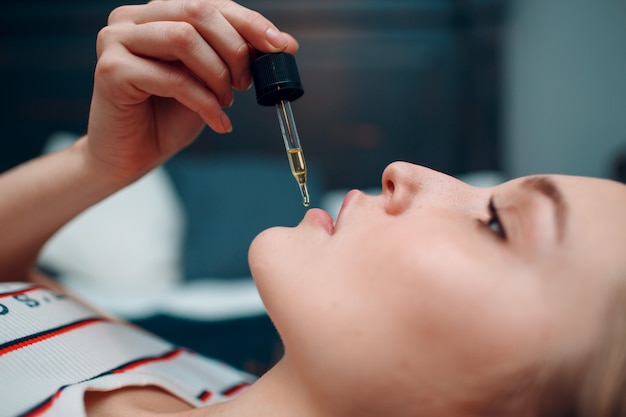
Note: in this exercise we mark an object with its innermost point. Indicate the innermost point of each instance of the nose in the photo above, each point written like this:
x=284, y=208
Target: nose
x=403, y=182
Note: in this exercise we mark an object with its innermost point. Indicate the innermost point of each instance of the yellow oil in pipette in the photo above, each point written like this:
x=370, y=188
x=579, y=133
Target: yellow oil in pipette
x=293, y=148
x=298, y=169
x=277, y=83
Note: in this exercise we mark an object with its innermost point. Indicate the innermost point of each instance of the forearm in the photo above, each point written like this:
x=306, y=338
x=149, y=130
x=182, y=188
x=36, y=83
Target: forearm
x=163, y=72
x=39, y=197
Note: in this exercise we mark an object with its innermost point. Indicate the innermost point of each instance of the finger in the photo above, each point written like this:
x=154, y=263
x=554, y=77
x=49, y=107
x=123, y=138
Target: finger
x=179, y=41
x=131, y=80
x=206, y=17
x=293, y=46
x=256, y=29
x=253, y=32
x=226, y=25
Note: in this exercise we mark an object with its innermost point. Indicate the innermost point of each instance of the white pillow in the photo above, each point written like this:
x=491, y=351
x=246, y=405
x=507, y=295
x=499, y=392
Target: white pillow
x=130, y=241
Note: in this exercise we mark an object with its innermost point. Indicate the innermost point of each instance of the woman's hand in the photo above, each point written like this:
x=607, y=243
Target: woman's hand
x=164, y=70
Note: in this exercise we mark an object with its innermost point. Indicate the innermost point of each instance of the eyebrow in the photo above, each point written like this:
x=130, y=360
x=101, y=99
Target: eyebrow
x=548, y=188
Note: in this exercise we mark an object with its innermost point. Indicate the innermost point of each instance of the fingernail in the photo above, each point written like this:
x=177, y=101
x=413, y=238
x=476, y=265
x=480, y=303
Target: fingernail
x=227, y=100
x=276, y=38
x=246, y=82
x=226, y=124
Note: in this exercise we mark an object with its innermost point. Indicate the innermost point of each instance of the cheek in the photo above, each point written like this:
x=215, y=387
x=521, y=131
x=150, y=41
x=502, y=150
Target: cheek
x=422, y=304
x=462, y=299
x=479, y=323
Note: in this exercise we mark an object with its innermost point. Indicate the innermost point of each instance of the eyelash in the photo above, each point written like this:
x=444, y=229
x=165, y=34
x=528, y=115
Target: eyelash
x=494, y=219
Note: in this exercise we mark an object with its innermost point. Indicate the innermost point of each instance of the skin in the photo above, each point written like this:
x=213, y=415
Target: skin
x=483, y=301
x=480, y=307
x=409, y=305
x=165, y=70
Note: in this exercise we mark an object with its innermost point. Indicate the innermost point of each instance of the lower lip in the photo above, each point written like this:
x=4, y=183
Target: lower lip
x=321, y=218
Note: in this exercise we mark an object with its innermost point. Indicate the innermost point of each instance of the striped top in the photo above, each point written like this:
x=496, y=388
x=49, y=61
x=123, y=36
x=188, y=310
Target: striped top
x=53, y=349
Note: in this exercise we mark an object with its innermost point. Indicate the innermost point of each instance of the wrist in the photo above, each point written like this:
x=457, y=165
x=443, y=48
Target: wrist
x=100, y=176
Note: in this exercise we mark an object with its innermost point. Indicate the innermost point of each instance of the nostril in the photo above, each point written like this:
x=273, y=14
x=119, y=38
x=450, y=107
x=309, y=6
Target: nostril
x=389, y=185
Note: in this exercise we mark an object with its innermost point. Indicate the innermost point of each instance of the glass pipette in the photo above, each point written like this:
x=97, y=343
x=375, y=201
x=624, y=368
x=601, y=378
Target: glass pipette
x=293, y=148
x=277, y=83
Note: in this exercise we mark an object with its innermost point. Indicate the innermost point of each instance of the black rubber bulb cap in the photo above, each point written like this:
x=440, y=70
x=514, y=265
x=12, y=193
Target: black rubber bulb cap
x=276, y=78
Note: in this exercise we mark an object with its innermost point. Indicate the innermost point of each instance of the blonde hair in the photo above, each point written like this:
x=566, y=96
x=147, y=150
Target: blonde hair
x=596, y=386
x=589, y=386
x=603, y=390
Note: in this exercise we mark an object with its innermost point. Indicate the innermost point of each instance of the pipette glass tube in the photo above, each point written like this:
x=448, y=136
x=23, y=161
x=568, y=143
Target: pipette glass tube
x=293, y=148
x=277, y=83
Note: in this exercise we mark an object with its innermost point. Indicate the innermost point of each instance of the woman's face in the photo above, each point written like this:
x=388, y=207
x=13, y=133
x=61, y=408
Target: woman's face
x=436, y=289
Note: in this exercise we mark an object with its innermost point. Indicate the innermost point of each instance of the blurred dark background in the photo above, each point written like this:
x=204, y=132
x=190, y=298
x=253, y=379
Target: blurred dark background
x=384, y=80
x=461, y=86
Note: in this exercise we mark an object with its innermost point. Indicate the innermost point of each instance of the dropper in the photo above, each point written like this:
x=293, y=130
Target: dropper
x=277, y=83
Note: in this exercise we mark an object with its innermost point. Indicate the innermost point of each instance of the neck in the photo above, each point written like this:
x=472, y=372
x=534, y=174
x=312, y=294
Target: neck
x=281, y=392
x=278, y=393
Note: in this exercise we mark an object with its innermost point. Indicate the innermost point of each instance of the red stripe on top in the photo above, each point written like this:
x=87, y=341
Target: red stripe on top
x=47, y=404
x=170, y=355
x=48, y=335
x=236, y=389
x=204, y=396
x=19, y=292
x=44, y=407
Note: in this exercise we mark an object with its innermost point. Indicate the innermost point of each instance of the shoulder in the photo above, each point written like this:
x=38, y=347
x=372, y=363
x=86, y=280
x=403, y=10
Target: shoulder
x=142, y=401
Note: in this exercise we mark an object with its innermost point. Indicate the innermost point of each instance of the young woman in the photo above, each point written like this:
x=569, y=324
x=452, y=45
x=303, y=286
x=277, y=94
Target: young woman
x=433, y=298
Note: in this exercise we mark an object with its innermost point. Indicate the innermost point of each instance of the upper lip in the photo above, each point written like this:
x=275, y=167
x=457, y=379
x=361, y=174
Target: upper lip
x=346, y=201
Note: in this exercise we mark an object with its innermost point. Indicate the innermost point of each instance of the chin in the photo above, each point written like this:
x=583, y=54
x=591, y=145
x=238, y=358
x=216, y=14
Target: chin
x=266, y=257
x=272, y=270
x=265, y=249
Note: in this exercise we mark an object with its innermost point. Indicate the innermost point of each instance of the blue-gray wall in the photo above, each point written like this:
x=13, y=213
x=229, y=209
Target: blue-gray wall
x=565, y=88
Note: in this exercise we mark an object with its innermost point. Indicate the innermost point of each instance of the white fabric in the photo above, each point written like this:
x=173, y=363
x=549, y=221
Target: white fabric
x=53, y=349
x=124, y=255
x=205, y=300
x=132, y=240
